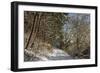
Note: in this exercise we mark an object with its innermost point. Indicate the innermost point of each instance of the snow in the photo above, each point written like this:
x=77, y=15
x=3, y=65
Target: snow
x=57, y=54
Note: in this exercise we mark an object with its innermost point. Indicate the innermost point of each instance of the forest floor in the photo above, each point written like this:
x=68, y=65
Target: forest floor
x=57, y=54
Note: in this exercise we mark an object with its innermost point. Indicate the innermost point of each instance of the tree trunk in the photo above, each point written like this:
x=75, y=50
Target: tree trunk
x=26, y=47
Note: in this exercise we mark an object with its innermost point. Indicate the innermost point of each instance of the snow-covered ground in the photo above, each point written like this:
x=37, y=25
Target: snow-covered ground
x=57, y=54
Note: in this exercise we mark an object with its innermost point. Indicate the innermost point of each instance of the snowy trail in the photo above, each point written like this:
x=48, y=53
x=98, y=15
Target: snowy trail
x=57, y=54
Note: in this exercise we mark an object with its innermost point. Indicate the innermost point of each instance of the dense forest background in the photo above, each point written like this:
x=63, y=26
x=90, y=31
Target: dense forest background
x=45, y=31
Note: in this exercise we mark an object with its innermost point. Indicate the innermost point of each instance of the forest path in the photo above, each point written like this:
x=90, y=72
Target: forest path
x=57, y=54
